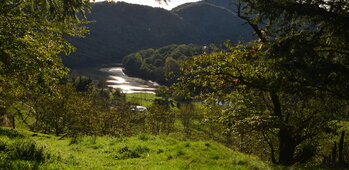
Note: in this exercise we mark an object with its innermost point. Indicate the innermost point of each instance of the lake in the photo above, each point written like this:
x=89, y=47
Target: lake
x=116, y=78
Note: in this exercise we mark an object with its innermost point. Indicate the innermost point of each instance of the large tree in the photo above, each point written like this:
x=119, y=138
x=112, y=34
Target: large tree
x=308, y=40
x=290, y=85
x=31, y=40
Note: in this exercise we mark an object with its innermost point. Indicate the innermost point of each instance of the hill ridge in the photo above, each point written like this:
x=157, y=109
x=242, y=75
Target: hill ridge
x=122, y=28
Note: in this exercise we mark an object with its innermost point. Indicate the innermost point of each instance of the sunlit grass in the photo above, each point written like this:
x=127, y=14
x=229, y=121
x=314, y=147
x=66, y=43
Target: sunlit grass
x=143, y=99
x=138, y=152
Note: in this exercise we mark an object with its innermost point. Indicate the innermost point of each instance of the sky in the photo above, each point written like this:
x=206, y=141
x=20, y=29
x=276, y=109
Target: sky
x=171, y=4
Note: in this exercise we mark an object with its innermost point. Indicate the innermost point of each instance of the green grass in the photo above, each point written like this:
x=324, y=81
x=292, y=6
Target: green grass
x=138, y=152
x=143, y=99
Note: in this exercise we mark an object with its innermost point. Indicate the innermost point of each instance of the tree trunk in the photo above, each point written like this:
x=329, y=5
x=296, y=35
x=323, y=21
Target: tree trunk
x=287, y=147
x=340, y=148
x=334, y=153
x=271, y=146
x=287, y=144
x=13, y=121
x=272, y=152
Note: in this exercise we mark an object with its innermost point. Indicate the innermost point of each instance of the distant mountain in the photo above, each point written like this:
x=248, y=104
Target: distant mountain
x=217, y=22
x=121, y=28
x=228, y=4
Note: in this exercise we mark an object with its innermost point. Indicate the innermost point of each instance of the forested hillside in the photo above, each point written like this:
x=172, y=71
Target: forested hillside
x=155, y=64
x=216, y=22
x=121, y=28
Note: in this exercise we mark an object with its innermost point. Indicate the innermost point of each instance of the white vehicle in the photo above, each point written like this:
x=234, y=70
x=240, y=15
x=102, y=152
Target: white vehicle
x=140, y=109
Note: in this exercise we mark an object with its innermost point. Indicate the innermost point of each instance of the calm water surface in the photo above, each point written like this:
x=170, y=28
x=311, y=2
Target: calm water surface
x=116, y=78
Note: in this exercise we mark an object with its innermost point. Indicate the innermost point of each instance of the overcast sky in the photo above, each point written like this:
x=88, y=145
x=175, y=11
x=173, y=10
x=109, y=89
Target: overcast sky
x=171, y=4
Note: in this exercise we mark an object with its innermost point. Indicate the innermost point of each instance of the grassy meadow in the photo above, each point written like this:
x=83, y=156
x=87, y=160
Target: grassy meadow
x=143, y=99
x=21, y=149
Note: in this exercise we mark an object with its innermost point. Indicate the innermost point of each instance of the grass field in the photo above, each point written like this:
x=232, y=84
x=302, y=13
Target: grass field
x=26, y=150
x=143, y=99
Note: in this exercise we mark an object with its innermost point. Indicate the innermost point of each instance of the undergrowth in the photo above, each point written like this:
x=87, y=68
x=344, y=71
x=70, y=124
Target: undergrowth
x=20, y=152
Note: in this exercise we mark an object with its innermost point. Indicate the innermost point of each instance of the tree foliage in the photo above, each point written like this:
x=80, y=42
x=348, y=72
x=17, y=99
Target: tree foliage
x=31, y=36
x=157, y=64
x=243, y=92
x=308, y=41
x=75, y=112
x=290, y=86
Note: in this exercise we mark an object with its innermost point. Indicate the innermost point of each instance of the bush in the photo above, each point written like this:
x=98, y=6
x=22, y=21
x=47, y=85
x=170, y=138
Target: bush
x=126, y=153
x=26, y=150
x=10, y=133
x=22, y=154
x=143, y=137
x=2, y=146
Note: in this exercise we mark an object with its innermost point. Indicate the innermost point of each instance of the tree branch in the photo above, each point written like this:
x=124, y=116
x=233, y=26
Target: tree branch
x=249, y=21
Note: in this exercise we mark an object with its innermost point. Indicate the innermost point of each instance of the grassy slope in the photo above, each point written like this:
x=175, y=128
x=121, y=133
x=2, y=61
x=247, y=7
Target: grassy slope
x=139, y=152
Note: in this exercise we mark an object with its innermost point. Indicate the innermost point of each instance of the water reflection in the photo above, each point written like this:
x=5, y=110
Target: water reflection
x=118, y=79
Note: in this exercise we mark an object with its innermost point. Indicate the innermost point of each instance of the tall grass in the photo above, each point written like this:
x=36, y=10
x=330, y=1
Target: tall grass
x=20, y=152
x=26, y=149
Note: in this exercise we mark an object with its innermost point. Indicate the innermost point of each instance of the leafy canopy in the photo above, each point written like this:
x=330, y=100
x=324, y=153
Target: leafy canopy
x=31, y=37
x=289, y=86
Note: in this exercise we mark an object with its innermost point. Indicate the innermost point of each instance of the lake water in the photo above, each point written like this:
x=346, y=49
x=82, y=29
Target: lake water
x=116, y=78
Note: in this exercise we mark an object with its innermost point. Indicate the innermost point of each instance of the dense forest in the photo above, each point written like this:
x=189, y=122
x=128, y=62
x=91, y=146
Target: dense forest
x=155, y=64
x=162, y=65
x=279, y=101
x=118, y=29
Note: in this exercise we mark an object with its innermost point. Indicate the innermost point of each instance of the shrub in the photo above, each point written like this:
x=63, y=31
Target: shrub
x=10, y=133
x=143, y=137
x=126, y=153
x=2, y=146
x=26, y=150
x=22, y=154
x=142, y=149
